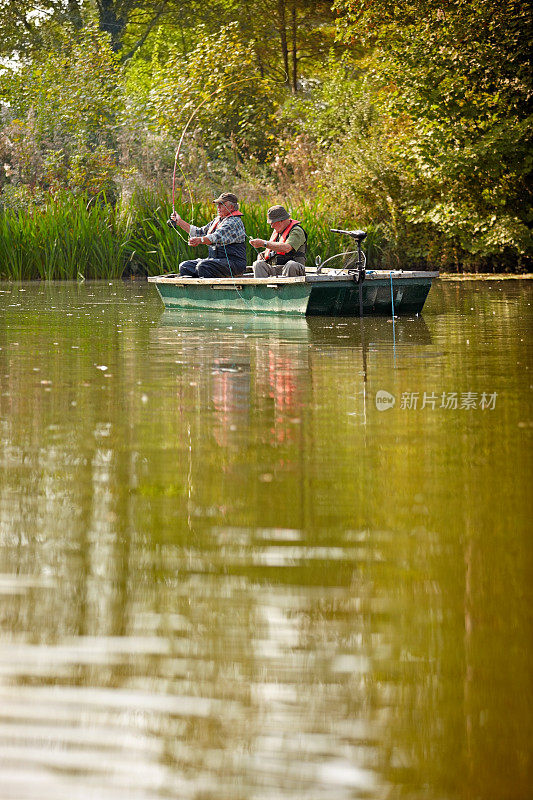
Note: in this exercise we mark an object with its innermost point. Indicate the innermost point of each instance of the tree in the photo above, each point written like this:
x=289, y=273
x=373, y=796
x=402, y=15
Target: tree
x=25, y=21
x=287, y=34
x=64, y=113
x=455, y=79
x=234, y=107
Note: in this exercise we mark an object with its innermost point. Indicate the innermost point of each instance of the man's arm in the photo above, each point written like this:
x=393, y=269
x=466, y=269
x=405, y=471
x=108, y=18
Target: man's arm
x=292, y=243
x=278, y=247
x=295, y=239
x=199, y=235
x=196, y=235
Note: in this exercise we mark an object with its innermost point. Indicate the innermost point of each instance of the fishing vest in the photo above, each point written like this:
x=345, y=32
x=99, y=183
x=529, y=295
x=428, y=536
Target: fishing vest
x=282, y=258
x=235, y=253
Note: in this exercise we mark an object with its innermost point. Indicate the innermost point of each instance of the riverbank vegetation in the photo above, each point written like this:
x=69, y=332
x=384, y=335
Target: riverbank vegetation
x=412, y=120
x=72, y=237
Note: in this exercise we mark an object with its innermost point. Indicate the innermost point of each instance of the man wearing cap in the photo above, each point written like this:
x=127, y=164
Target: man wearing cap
x=225, y=237
x=286, y=248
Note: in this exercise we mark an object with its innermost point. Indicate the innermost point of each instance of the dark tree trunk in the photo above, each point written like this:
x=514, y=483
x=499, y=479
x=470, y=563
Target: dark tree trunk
x=151, y=25
x=249, y=11
x=74, y=13
x=294, y=27
x=183, y=44
x=283, y=37
x=112, y=22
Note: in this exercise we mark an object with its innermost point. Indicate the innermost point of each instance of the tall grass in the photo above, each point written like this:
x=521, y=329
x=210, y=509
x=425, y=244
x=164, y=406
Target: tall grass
x=66, y=239
x=73, y=237
x=152, y=246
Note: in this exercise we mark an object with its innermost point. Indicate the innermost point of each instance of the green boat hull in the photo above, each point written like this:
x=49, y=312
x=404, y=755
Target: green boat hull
x=341, y=299
x=237, y=297
x=312, y=295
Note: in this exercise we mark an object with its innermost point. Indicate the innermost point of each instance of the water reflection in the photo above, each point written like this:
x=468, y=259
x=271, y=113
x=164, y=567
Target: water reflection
x=225, y=573
x=245, y=356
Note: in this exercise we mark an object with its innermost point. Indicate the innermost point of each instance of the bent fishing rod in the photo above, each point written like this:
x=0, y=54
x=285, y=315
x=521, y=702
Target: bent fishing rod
x=192, y=116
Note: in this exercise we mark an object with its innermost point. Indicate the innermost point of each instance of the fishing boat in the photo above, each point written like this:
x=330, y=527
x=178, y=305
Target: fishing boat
x=343, y=291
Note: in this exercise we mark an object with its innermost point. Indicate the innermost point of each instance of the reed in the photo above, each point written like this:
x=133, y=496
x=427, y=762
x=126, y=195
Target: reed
x=152, y=247
x=67, y=238
x=72, y=237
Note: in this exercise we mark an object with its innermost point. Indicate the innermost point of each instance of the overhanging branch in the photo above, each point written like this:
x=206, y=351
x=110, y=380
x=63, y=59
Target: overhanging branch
x=141, y=40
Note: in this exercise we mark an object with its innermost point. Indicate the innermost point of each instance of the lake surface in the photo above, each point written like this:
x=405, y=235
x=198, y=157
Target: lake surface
x=227, y=574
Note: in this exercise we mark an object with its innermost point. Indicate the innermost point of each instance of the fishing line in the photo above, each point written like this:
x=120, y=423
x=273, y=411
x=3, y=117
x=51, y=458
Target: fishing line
x=393, y=330
x=192, y=116
x=246, y=303
x=244, y=300
x=192, y=206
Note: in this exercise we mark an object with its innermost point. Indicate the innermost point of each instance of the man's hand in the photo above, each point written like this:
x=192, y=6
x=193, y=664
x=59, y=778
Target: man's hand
x=257, y=242
x=194, y=241
x=175, y=217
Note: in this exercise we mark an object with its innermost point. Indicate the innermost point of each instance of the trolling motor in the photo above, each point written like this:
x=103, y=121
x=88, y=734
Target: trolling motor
x=359, y=273
x=358, y=236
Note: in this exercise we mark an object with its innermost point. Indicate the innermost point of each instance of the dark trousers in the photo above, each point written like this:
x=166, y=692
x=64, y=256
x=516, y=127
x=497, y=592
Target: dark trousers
x=209, y=268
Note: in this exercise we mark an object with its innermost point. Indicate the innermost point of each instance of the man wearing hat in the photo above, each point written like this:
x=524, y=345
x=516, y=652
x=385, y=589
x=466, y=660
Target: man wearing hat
x=225, y=237
x=286, y=248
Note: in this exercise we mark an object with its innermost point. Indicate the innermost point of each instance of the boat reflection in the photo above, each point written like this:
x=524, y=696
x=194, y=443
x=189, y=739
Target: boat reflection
x=283, y=361
x=368, y=331
x=266, y=356
x=245, y=325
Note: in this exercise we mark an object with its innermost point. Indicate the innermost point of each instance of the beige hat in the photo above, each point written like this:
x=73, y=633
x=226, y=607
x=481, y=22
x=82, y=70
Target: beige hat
x=277, y=214
x=227, y=197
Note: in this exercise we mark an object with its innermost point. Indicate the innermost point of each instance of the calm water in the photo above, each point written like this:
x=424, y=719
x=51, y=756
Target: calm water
x=225, y=574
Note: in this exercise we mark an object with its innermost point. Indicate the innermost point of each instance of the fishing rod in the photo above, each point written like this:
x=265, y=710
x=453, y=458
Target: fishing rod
x=192, y=116
x=178, y=151
x=184, y=131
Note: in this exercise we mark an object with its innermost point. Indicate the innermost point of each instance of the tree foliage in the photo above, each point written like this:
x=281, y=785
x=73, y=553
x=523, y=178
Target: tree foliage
x=63, y=109
x=218, y=83
x=455, y=78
